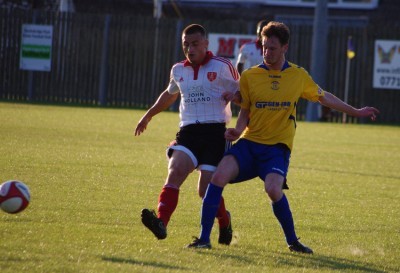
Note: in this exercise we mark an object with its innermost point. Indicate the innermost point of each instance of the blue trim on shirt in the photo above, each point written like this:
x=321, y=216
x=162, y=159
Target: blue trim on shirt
x=285, y=66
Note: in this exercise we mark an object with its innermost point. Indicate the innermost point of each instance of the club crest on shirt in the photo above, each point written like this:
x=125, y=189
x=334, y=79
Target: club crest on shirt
x=275, y=85
x=211, y=76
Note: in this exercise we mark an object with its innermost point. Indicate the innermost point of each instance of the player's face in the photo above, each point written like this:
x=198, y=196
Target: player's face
x=274, y=52
x=194, y=47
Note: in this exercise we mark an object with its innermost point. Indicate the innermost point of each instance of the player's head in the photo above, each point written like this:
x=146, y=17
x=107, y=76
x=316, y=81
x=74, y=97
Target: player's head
x=194, y=43
x=260, y=26
x=278, y=30
x=275, y=42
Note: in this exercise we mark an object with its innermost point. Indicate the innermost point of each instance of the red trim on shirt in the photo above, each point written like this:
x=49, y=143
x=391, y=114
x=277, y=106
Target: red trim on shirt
x=232, y=69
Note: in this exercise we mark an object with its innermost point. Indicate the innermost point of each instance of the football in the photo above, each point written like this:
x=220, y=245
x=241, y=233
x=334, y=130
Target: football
x=14, y=196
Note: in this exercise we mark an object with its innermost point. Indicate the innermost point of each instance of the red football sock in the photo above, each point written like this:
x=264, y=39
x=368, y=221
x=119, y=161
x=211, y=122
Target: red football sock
x=167, y=202
x=222, y=215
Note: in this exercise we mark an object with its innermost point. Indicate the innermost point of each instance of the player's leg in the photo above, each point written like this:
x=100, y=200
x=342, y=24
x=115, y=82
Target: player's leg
x=179, y=167
x=280, y=205
x=272, y=164
x=226, y=171
x=223, y=216
x=273, y=186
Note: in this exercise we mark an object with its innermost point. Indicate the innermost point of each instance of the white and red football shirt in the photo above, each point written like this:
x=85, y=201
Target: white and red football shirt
x=201, y=89
x=250, y=54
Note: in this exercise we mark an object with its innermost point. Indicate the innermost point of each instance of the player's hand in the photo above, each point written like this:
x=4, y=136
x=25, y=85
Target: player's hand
x=236, y=98
x=232, y=134
x=142, y=125
x=227, y=96
x=371, y=112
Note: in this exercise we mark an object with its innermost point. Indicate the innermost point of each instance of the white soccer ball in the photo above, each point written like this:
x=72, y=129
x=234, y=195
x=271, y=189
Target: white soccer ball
x=14, y=196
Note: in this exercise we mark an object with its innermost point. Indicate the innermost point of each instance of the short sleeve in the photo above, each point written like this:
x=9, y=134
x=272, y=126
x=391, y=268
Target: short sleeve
x=230, y=78
x=311, y=90
x=172, y=86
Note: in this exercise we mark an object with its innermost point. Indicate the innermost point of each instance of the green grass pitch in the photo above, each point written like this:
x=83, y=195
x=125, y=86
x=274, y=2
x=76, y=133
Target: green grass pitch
x=89, y=178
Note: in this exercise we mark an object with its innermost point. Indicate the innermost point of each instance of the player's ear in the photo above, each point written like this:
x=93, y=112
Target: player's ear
x=206, y=42
x=286, y=47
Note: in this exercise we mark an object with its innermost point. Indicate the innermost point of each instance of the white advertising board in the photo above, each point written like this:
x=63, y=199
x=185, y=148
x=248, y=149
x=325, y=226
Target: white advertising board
x=36, y=42
x=228, y=45
x=387, y=64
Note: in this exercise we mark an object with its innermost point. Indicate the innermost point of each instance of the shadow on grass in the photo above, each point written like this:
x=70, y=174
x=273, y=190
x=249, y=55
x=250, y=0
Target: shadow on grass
x=241, y=258
x=303, y=261
x=330, y=263
x=142, y=263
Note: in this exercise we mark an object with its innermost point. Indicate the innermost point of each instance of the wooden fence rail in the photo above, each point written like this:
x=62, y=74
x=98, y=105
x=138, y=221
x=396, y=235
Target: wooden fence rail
x=124, y=61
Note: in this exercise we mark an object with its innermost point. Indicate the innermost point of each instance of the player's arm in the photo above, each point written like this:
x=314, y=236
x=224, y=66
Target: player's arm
x=239, y=67
x=241, y=60
x=236, y=98
x=333, y=102
x=231, y=83
x=165, y=100
x=233, y=134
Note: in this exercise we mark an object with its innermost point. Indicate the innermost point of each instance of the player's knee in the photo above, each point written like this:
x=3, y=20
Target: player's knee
x=219, y=179
x=274, y=191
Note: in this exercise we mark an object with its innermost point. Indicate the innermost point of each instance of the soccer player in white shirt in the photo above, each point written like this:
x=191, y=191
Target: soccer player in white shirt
x=250, y=53
x=205, y=84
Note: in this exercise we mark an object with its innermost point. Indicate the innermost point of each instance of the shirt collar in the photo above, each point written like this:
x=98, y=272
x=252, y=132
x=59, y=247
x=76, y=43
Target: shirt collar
x=285, y=66
x=207, y=58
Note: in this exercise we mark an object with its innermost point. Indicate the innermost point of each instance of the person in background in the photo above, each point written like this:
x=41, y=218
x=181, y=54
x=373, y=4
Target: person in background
x=204, y=82
x=265, y=131
x=250, y=54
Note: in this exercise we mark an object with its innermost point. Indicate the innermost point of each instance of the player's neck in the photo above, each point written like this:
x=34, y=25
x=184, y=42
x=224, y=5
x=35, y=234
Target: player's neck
x=276, y=66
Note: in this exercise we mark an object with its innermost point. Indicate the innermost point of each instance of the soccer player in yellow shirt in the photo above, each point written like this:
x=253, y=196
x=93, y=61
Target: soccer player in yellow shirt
x=265, y=128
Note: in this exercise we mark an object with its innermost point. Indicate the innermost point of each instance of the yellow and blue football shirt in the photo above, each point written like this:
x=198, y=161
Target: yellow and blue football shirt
x=271, y=97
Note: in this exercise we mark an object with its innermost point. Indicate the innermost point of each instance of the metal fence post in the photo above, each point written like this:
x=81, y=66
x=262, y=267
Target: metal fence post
x=31, y=80
x=103, y=81
x=318, y=57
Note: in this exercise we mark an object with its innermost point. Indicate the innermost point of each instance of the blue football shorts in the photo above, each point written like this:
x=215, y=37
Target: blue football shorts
x=255, y=159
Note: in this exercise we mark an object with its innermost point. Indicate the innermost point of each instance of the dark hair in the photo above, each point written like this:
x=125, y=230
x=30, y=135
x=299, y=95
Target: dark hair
x=260, y=26
x=195, y=28
x=277, y=29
